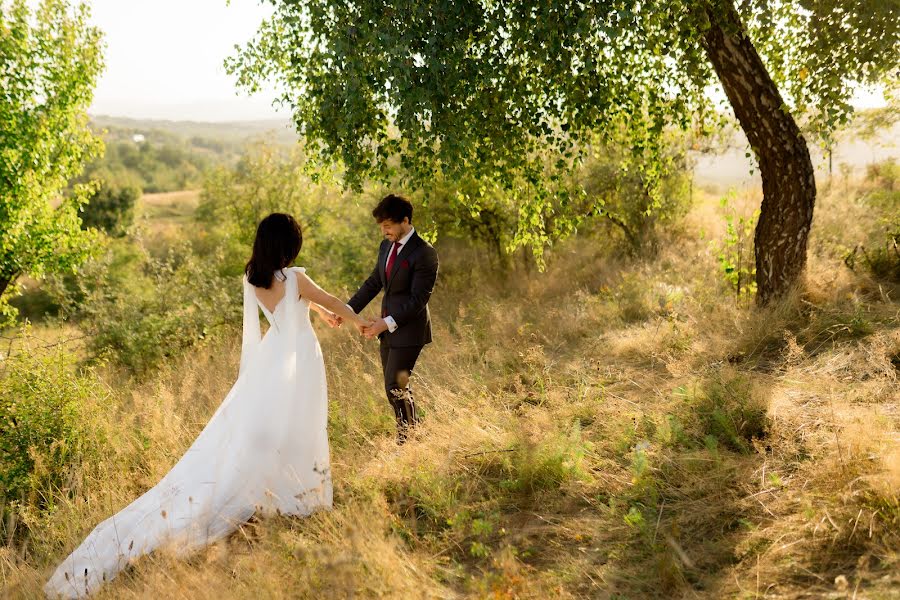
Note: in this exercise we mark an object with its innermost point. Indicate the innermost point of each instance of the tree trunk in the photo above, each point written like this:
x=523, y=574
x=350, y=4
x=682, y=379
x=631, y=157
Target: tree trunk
x=789, y=185
x=4, y=283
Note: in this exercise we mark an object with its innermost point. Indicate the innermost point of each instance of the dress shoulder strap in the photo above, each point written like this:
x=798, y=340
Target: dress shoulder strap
x=296, y=290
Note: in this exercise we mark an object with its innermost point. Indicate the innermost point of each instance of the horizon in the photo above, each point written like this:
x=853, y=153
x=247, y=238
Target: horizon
x=164, y=61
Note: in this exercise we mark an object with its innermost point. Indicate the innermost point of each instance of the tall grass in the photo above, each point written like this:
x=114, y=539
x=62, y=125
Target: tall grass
x=607, y=428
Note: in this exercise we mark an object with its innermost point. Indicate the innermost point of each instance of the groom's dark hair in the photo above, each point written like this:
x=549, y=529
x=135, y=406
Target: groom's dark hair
x=393, y=207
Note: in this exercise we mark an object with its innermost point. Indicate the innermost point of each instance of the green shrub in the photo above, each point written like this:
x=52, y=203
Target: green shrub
x=631, y=201
x=723, y=411
x=336, y=249
x=139, y=310
x=48, y=429
x=111, y=208
x=183, y=301
x=880, y=252
x=735, y=253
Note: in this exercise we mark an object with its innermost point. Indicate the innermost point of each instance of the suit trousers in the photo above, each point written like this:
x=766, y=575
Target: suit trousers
x=397, y=365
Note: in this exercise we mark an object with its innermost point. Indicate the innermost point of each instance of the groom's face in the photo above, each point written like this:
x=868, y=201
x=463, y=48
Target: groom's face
x=392, y=231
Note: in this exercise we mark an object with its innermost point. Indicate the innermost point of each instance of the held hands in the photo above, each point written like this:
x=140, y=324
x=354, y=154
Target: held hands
x=370, y=329
x=374, y=328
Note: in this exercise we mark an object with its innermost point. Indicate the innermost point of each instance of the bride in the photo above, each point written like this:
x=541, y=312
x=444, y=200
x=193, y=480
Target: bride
x=265, y=449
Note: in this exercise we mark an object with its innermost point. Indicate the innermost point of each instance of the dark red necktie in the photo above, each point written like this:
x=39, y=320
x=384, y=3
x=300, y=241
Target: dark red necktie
x=390, y=262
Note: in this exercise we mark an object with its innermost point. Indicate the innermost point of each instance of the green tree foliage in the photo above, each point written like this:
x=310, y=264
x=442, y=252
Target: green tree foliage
x=486, y=88
x=50, y=59
x=608, y=189
x=503, y=217
x=265, y=180
x=475, y=210
x=110, y=208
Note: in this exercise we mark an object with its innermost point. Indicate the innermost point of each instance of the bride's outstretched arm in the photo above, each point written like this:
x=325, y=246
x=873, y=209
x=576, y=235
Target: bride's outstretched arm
x=316, y=295
x=329, y=317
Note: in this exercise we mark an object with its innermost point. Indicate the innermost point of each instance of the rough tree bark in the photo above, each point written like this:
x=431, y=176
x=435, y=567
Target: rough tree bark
x=789, y=185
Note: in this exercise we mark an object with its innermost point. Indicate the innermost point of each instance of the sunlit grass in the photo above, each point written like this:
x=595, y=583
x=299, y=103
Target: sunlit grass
x=604, y=429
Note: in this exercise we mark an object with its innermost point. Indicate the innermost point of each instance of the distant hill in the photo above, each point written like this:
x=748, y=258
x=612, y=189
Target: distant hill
x=160, y=156
x=274, y=130
x=204, y=144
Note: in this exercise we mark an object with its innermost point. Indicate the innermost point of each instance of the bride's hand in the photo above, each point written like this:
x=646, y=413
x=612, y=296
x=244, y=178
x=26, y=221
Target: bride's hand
x=332, y=319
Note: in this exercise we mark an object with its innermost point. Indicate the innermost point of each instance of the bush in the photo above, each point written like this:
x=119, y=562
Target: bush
x=48, y=418
x=735, y=252
x=139, y=310
x=880, y=252
x=479, y=212
x=111, y=208
x=266, y=180
x=170, y=306
x=632, y=201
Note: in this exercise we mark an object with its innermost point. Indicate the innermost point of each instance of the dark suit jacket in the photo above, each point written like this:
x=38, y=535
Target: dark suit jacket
x=407, y=292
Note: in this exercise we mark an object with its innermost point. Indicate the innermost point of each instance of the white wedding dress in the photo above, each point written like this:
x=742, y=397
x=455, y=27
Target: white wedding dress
x=265, y=449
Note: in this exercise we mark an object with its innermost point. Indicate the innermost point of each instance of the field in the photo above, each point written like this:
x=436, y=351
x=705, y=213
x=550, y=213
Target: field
x=612, y=427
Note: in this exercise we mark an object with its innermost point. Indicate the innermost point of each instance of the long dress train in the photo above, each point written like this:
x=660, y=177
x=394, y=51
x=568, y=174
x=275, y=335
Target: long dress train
x=264, y=449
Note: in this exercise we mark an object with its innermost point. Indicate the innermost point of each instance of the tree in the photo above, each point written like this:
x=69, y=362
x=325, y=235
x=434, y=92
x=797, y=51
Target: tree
x=49, y=63
x=484, y=86
x=111, y=208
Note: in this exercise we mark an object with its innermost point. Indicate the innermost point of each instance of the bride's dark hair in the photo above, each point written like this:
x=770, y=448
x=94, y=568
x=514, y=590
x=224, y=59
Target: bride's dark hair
x=277, y=244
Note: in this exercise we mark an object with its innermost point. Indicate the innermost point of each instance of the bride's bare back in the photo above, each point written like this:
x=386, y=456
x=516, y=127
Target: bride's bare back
x=271, y=297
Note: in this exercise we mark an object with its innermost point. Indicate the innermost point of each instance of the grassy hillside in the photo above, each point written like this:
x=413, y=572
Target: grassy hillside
x=609, y=428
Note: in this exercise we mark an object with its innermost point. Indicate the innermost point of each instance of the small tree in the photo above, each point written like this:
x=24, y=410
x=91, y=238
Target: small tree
x=619, y=192
x=111, y=208
x=49, y=63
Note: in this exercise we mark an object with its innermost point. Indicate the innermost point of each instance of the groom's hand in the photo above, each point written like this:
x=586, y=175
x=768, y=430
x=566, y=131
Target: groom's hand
x=375, y=328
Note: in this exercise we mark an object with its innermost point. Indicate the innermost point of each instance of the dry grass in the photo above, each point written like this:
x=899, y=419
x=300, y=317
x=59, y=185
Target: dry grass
x=162, y=217
x=604, y=429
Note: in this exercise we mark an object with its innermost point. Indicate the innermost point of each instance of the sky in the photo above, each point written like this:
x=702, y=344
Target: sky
x=164, y=61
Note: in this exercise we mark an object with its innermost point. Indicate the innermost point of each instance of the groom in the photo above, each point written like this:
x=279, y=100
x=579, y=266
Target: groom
x=406, y=270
